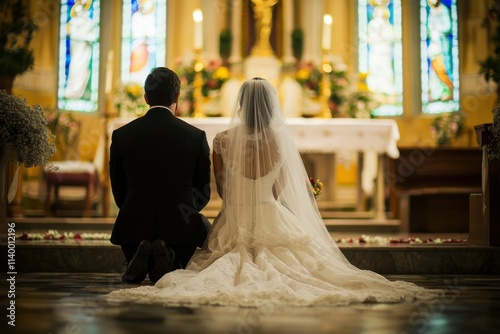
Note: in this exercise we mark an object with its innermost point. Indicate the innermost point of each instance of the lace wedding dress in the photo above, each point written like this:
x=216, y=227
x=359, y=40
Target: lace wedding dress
x=269, y=243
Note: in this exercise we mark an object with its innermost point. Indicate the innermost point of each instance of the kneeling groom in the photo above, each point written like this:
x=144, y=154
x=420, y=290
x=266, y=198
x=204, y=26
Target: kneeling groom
x=160, y=177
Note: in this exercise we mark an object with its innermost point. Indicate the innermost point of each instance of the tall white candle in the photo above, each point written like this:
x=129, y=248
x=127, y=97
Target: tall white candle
x=109, y=73
x=327, y=32
x=198, y=28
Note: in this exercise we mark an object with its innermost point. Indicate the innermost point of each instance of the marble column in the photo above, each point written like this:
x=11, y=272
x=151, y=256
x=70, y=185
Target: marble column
x=312, y=22
x=288, y=19
x=236, y=17
x=213, y=18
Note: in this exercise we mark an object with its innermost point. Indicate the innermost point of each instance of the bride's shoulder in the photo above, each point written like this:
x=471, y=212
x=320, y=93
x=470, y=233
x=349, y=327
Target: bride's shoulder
x=220, y=136
x=219, y=141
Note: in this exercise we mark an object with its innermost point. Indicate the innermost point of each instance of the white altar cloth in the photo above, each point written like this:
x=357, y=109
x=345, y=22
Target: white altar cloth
x=372, y=137
x=315, y=135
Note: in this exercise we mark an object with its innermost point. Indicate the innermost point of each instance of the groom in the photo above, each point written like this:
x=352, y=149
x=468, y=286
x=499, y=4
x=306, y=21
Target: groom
x=160, y=177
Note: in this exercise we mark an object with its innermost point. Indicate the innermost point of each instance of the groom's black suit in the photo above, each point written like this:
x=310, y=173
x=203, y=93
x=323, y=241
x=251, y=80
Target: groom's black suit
x=160, y=178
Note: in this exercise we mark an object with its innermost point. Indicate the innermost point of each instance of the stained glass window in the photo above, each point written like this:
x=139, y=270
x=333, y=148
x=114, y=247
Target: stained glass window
x=79, y=55
x=380, y=53
x=439, y=56
x=143, y=38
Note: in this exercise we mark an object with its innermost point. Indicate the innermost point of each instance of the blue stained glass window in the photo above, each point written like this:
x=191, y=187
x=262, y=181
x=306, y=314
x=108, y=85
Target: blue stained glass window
x=143, y=38
x=439, y=56
x=79, y=55
x=380, y=53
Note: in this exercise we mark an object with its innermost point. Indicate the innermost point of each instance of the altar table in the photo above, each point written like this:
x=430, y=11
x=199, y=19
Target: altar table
x=326, y=136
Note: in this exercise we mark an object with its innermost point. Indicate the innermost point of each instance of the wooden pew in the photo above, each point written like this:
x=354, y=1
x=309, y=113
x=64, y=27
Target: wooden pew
x=429, y=188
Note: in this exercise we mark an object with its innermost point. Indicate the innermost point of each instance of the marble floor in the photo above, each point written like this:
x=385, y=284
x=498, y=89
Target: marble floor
x=71, y=303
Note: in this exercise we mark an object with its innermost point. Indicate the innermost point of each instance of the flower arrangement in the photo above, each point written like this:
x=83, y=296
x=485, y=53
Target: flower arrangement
x=309, y=77
x=25, y=129
x=359, y=102
x=446, y=127
x=338, y=86
x=129, y=100
x=377, y=240
x=55, y=235
x=213, y=75
x=65, y=129
x=316, y=186
x=345, y=99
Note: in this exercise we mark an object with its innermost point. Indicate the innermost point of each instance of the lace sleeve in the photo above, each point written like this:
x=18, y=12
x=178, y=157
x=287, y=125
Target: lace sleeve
x=218, y=143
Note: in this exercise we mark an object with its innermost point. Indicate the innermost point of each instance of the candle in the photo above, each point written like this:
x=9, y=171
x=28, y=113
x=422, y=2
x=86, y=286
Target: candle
x=198, y=29
x=109, y=73
x=327, y=32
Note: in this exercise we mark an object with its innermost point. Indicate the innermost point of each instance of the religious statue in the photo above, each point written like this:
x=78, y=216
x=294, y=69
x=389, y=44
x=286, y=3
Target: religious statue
x=264, y=18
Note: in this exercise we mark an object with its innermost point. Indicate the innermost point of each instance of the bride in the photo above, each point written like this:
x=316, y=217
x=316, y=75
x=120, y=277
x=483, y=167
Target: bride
x=268, y=243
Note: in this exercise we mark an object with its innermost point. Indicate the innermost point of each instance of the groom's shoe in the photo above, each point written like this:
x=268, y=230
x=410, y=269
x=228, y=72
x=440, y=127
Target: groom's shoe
x=138, y=267
x=164, y=260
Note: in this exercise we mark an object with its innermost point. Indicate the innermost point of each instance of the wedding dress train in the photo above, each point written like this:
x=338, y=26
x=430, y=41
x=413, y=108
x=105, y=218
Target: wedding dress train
x=270, y=258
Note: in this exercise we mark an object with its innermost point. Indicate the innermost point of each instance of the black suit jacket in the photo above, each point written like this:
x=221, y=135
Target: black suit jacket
x=160, y=177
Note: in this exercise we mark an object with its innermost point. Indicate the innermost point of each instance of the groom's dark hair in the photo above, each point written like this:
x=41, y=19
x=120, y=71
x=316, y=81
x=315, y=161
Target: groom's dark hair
x=162, y=86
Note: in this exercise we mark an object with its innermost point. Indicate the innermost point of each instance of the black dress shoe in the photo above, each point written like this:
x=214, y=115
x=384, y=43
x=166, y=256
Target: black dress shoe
x=138, y=267
x=164, y=260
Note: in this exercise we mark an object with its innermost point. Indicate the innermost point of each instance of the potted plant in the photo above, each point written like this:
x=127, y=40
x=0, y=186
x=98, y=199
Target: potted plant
x=24, y=138
x=489, y=134
x=16, y=33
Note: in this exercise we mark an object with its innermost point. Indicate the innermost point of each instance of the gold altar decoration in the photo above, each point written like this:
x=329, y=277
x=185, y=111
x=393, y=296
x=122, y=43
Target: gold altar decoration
x=326, y=83
x=263, y=14
x=198, y=83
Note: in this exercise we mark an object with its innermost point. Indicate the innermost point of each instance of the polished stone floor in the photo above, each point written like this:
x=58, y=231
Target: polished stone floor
x=71, y=303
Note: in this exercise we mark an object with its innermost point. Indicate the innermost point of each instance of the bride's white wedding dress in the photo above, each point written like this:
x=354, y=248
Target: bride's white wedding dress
x=257, y=252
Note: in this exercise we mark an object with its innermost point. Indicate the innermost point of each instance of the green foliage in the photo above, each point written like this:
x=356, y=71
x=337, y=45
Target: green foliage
x=16, y=32
x=297, y=43
x=225, y=43
x=490, y=69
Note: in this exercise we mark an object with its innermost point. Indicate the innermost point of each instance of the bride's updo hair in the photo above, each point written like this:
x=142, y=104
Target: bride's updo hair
x=257, y=101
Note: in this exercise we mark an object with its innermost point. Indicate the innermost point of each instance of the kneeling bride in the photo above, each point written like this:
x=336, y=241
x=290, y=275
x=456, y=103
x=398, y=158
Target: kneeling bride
x=269, y=242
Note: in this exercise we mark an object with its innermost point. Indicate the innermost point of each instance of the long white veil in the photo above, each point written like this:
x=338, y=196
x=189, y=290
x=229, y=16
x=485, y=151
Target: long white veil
x=259, y=145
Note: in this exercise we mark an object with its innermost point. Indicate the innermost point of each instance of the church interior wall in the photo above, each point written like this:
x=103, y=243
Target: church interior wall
x=477, y=98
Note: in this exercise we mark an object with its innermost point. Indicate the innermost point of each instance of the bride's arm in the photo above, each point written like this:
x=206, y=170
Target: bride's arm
x=218, y=172
x=218, y=163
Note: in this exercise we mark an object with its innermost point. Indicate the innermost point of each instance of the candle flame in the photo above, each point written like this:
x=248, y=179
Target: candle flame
x=327, y=19
x=198, y=15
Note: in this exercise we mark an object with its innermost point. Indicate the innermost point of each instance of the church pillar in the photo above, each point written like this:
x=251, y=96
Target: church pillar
x=312, y=21
x=236, y=11
x=212, y=28
x=236, y=26
x=288, y=19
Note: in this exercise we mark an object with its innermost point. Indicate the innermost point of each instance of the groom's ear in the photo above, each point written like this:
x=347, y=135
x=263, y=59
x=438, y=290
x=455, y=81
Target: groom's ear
x=176, y=100
x=146, y=98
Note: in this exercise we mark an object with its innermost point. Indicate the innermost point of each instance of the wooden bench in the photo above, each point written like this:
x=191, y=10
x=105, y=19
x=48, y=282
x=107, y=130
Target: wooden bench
x=449, y=172
x=70, y=174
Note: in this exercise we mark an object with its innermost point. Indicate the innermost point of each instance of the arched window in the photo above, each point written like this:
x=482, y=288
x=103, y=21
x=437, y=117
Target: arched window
x=380, y=53
x=143, y=38
x=381, y=57
x=79, y=55
x=439, y=56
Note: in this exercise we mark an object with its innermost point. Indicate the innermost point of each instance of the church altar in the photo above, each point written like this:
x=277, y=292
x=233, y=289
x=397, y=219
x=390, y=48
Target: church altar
x=372, y=139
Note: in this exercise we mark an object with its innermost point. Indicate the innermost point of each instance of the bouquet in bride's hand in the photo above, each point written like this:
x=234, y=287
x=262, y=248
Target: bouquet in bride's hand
x=317, y=187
